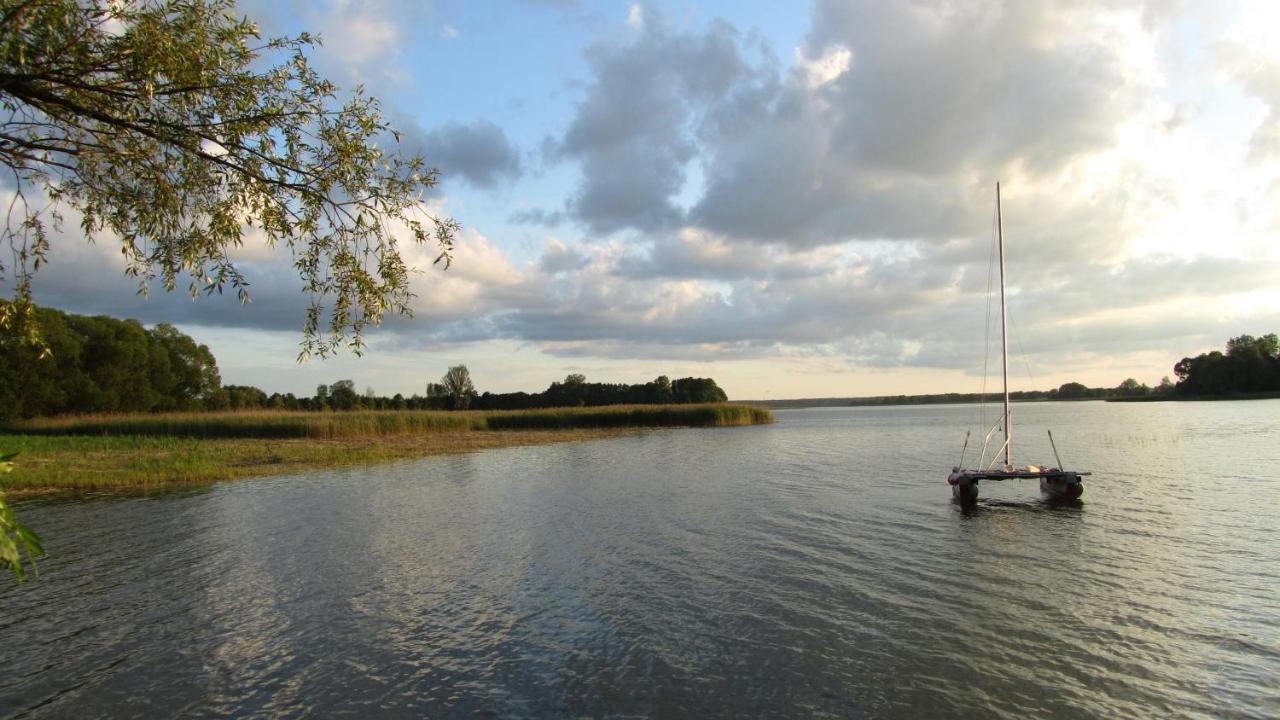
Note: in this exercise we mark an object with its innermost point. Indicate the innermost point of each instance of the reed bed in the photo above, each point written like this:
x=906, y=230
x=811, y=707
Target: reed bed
x=388, y=423
x=132, y=463
x=253, y=424
x=145, y=452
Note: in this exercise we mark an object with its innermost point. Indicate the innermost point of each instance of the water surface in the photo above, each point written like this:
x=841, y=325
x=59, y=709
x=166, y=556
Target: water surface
x=810, y=568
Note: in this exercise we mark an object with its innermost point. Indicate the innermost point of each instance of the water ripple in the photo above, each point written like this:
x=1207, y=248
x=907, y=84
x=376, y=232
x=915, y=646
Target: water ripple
x=813, y=568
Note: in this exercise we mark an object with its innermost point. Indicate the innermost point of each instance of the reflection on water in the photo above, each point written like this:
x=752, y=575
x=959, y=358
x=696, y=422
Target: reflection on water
x=815, y=567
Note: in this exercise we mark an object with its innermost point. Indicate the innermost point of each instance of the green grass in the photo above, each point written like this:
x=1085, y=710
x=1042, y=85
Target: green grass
x=141, y=452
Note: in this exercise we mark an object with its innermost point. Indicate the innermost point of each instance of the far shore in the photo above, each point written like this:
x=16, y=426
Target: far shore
x=1198, y=398
x=908, y=400
x=139, y=453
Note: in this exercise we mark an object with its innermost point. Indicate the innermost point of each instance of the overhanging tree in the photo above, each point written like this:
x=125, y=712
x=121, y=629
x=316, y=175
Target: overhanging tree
x=170, y=126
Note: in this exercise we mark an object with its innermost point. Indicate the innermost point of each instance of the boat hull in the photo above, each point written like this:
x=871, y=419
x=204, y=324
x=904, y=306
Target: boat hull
x=964, y=489
x=1055, y=484
x=1063, y=486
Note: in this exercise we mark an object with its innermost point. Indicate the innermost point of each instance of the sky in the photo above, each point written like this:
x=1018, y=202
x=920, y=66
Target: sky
x=795, y=201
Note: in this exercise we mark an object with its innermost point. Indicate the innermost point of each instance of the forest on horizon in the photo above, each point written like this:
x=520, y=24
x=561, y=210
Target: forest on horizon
x=100, y=364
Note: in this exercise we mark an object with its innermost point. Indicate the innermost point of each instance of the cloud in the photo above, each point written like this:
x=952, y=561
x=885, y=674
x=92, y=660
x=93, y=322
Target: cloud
x=900, y=115
x=479, y=153
x=538, y=216
x=90, y=278
x=836, y=212
x=1258, y=73
x=635, y=16
x=560, y=258
x=893, y=122
x=363, y=41
x=635, y=131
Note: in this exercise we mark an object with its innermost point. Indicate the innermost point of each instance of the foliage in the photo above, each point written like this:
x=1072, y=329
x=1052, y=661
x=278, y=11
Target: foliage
x=1250, y=365
x=575, y=391
x=16, y=539
x=1073, y=390
x=104, y=365
x=342, y=395
x=170, y=126
x=717, y=415
x=100, y=364
x=1132, y=388
x=457, y=388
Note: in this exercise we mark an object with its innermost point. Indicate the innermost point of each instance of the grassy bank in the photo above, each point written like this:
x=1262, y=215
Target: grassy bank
x=139, y=452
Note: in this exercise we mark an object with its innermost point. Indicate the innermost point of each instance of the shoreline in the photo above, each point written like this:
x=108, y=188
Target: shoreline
x=126, y=464
x=810, y=403
x=130, y=453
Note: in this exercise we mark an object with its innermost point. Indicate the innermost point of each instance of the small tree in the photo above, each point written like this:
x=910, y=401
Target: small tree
x=342, y=395
x=456, y=385
x=1132, y=388
x=1072, y=390
x=659, y=391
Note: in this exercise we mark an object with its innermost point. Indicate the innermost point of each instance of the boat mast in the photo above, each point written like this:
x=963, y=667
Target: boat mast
x=1004, y=339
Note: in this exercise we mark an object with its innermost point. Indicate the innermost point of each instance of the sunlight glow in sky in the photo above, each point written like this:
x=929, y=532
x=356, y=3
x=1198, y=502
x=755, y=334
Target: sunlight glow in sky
x=796, y=202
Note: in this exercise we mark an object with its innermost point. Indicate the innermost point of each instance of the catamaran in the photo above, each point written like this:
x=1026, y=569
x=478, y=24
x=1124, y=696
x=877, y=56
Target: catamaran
x=1055, y=482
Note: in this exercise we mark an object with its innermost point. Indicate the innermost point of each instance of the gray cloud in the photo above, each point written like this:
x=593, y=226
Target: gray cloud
x=693, y=255
x=921, y=308
x=480, y=153
x=635, y=131
x=87, y=279
x=843, y=216
x=558, y=258
x=936, y=97
x=937, y=101
x=538, y=216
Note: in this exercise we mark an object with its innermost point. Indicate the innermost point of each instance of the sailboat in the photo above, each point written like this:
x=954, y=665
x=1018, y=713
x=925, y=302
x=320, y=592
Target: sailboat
x=1055, y=482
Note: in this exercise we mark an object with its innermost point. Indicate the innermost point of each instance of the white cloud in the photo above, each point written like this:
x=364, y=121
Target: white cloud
x=825, y=68
x=362, y=38
x=831, y=216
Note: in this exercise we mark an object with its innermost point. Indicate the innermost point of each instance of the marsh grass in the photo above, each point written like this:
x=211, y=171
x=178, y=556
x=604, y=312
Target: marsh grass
x=141, y=452
x=266, y=424
x=262, y=424
x=61, y=463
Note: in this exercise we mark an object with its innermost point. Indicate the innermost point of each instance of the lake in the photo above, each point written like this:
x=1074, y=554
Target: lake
x=811, y=568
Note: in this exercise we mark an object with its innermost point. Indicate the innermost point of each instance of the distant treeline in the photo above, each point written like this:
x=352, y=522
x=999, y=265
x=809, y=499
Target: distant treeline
x=1249, y=368
x=1130, y=388
x=575, y=391
x=105, y=365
